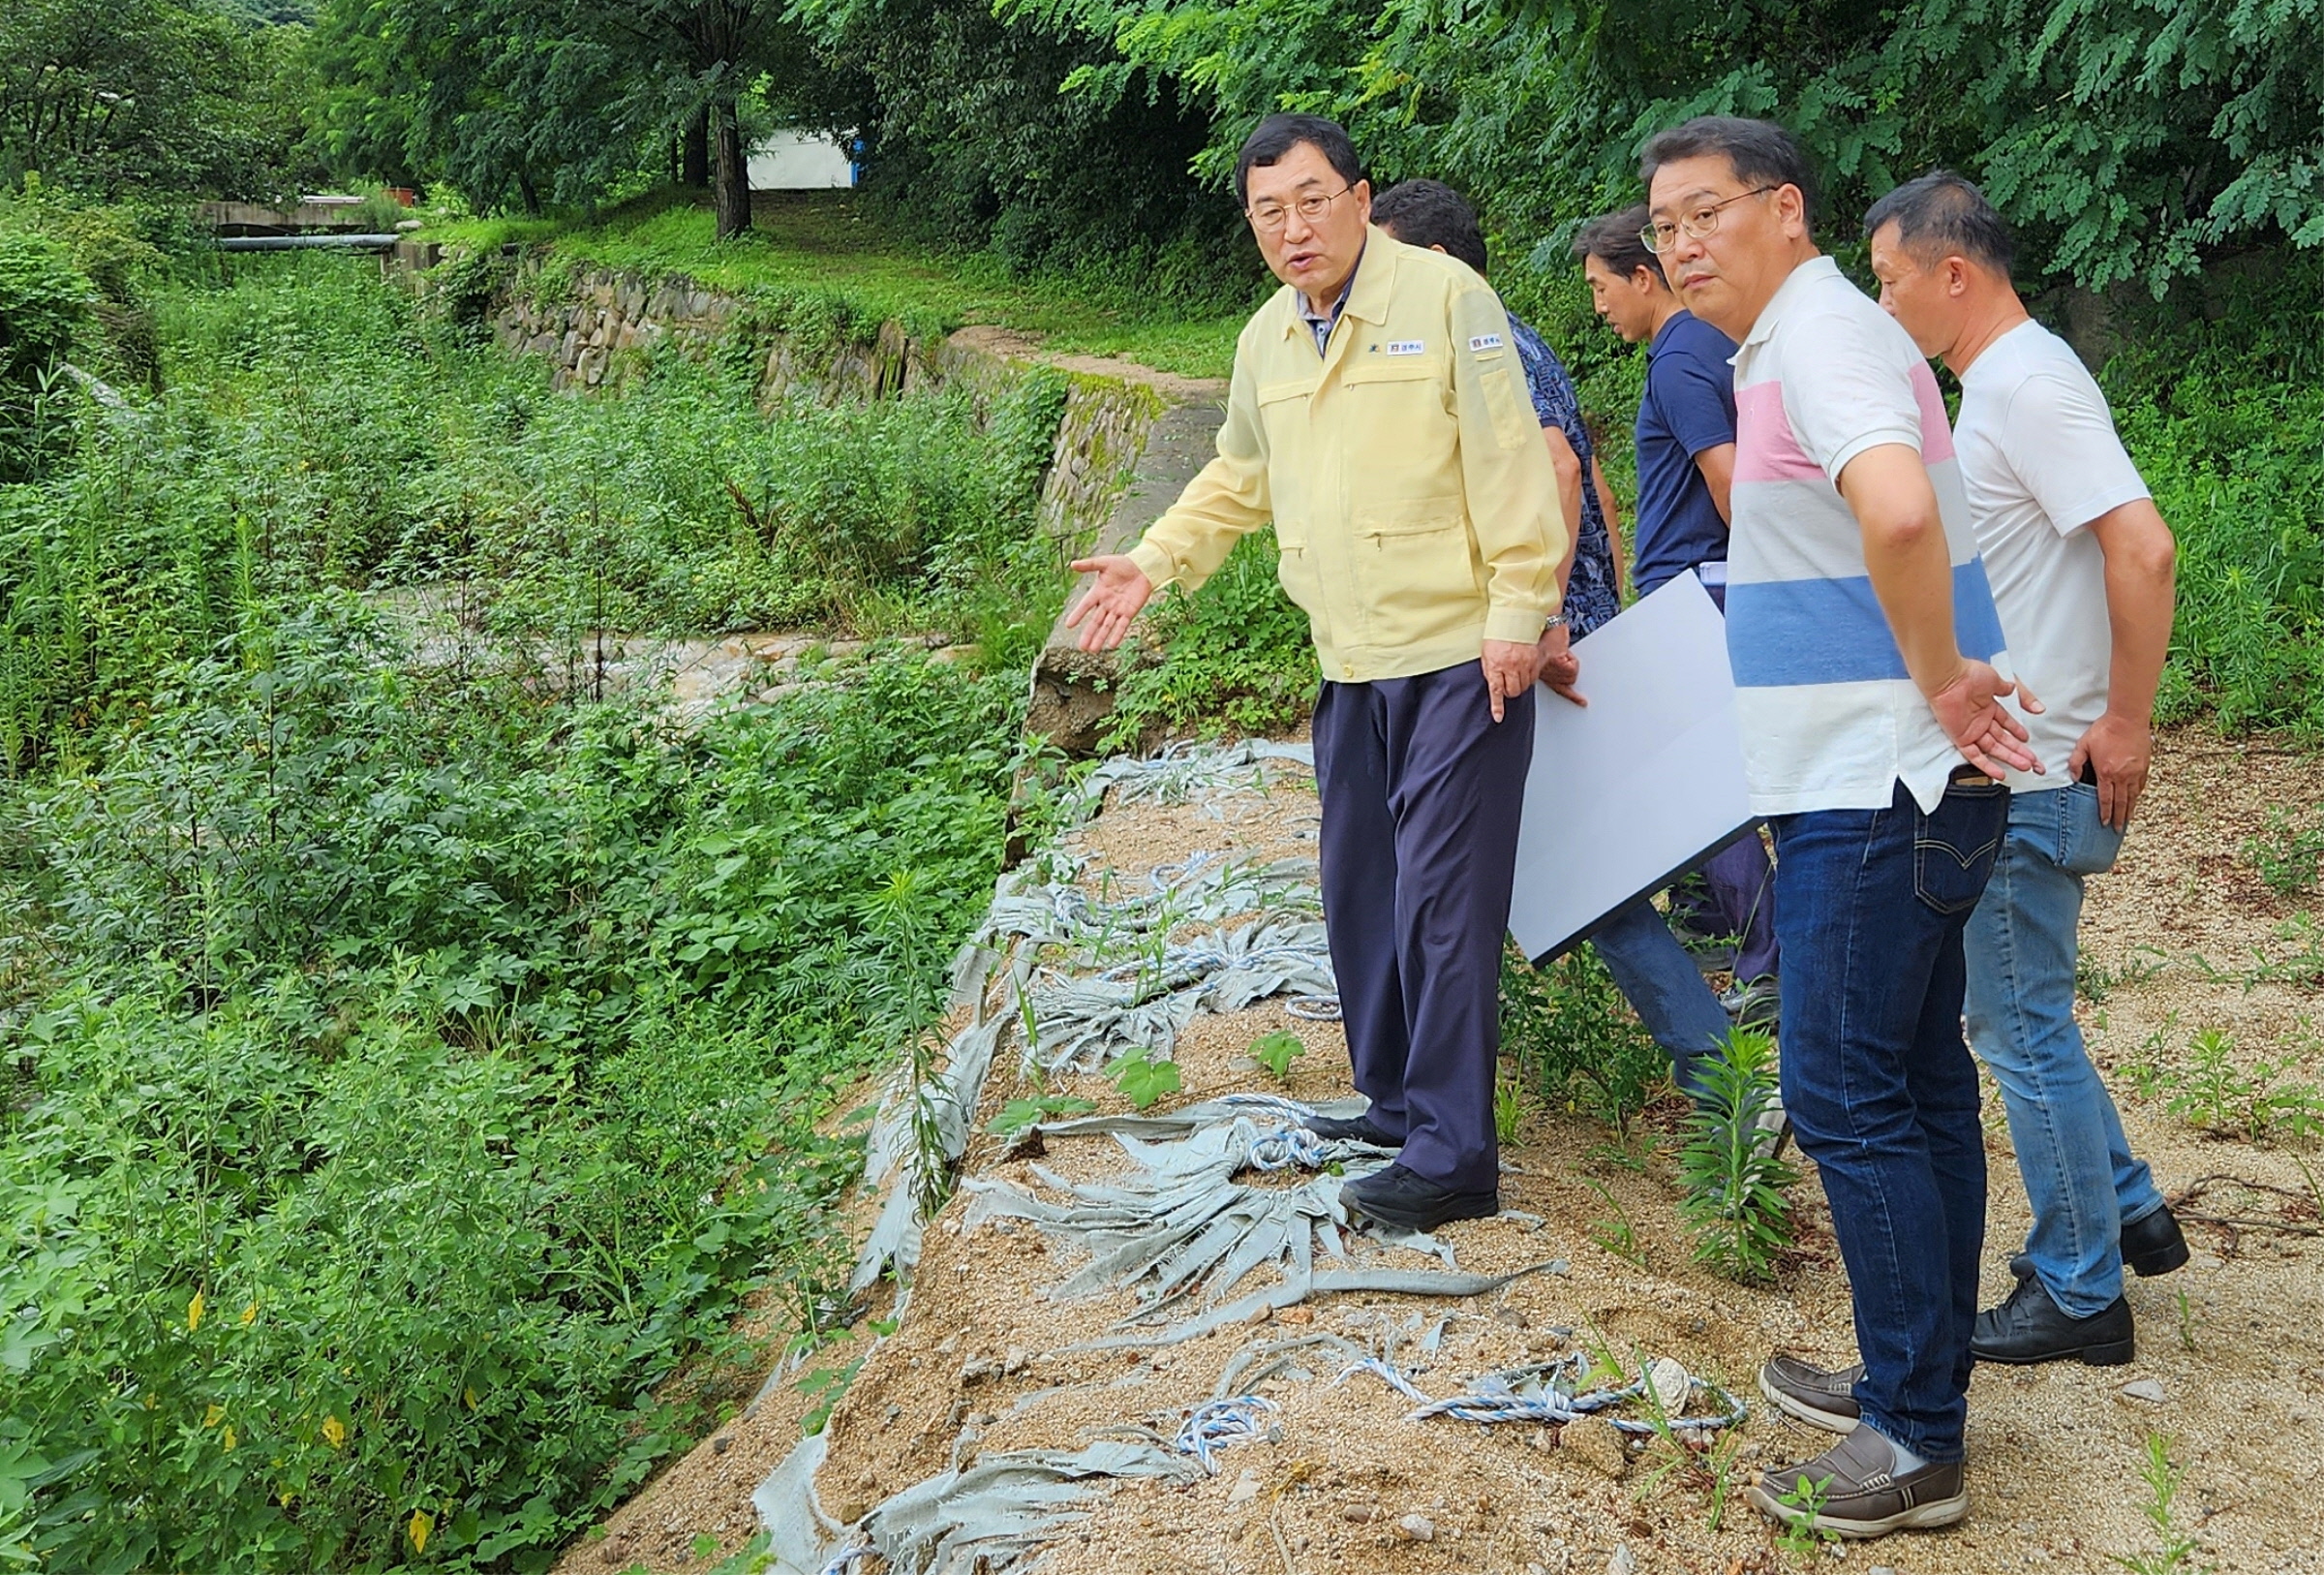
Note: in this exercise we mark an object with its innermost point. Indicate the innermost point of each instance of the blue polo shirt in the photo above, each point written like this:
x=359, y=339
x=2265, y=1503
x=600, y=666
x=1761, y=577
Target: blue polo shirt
x=1689, y=407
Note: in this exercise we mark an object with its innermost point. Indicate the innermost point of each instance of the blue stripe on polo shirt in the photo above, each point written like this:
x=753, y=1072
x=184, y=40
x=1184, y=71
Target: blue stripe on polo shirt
x=1788, y=632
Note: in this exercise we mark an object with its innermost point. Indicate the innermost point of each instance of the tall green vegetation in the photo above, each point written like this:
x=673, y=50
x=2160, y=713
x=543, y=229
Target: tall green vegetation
x=2128, y=139
x=122, y=98
x=420, y=1062
x=969, y=144
x=533, y=101
x=321, y=435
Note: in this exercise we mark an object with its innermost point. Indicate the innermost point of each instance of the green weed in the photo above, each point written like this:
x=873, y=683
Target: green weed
x=1276, y=1052
x=1581, y=1044
x=1508, y=1106
x=827, y=1387
x=2289, y=854
x=2093, y=981
x=1734, y=1202
x=1802, y=1537
x=1234, y=657
x=1019, y=1114
x=1617, y=1235
x=2219, y=1094
x=1143, y=1080
x=2177, y=1549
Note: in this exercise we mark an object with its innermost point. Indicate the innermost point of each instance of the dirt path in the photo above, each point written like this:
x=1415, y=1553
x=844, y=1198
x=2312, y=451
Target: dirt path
x=1012, y=344
x=2183, y=937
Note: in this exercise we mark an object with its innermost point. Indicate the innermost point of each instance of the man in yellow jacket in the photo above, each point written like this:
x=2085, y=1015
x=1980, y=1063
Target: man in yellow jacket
x=1378, y=418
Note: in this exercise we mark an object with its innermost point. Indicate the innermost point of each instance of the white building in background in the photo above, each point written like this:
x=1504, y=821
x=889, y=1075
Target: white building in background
x=794, y=160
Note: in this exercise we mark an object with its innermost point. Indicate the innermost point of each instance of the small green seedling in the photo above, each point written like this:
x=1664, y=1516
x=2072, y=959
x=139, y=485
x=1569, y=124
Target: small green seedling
x=2162, y=1478
x=1276, y=1052
x=1142, y=1080
x=1803, y=1537
x=1509, y=1109
x=828, y=1386
x=1019, y=1114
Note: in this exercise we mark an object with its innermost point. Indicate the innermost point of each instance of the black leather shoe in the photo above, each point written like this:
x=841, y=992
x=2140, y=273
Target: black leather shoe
x=2030, y=1327
x=2152, y=1245
x=1351, y=1130
x=1410, y=1201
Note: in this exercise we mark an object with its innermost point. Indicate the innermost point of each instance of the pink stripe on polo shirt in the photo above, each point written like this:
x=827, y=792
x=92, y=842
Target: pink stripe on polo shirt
x=1765, y=450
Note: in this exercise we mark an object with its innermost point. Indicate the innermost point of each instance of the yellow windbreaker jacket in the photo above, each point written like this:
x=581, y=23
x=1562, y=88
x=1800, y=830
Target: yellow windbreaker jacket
x=1404, y=470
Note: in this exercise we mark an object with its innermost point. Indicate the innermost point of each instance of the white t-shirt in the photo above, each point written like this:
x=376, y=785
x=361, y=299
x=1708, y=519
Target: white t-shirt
x=2040, y=460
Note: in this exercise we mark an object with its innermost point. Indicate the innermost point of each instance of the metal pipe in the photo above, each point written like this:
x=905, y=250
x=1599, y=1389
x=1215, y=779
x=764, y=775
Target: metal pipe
x=298, y=243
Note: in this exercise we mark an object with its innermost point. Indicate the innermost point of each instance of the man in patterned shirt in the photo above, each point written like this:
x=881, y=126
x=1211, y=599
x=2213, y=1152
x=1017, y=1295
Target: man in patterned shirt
x=1650, y=965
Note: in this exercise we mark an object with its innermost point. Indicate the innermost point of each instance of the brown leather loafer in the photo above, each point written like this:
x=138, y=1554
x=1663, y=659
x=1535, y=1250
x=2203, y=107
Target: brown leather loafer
x=1822, y=1397
x=1862, y=1493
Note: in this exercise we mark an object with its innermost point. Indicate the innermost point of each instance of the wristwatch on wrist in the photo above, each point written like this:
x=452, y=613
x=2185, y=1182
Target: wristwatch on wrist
x=1556, y=620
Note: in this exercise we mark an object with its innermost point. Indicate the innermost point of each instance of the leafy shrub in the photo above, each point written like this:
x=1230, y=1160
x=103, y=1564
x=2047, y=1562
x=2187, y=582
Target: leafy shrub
x=1568, y=1025
x=1234, y=657
x=428, y=1071
x=44, y=303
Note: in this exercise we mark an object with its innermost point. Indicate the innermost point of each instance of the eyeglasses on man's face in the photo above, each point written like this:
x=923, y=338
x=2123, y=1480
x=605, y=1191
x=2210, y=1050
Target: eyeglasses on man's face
x=1271, y=216
x=1694, y=226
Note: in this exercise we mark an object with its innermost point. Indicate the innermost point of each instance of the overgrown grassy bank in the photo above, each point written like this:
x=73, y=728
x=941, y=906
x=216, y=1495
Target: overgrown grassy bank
x=832, y=244
x=318, y=435
x=415, y=1067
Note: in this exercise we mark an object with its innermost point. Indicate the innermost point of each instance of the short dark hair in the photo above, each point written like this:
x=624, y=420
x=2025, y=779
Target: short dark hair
x=1613, y=238
x=1942, y=214
x=1277, y=135
x=1430, y=213
x=1760, y=152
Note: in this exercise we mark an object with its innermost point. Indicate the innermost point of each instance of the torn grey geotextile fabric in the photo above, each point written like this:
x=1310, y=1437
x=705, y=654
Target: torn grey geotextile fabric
x=1082, y=1023
x=1181, y=771
x=990, y=1515
x=800, y=1533
x=1181, y=1221
x=1192, y=1118
x=1205, y=888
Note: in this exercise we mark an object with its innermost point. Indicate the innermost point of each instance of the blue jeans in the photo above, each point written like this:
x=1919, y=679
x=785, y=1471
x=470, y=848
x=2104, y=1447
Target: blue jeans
x=2079, y=1173
x=1663, y=985
x=1870, y=906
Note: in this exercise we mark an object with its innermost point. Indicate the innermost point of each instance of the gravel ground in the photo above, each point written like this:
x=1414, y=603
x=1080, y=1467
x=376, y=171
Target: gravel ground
x=2182, y=939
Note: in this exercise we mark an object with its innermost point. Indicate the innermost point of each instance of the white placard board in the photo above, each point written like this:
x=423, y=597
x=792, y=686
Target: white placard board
x=1641, y=783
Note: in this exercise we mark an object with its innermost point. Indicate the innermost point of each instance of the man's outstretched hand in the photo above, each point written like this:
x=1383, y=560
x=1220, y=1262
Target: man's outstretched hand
x=1971, y=712
x=1103, y=612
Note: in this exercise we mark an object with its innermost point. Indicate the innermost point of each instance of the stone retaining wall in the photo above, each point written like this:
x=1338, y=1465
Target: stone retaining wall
x=583, y=331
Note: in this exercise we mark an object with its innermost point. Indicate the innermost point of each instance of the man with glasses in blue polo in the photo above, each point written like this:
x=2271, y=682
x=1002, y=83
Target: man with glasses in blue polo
x=1378, y=418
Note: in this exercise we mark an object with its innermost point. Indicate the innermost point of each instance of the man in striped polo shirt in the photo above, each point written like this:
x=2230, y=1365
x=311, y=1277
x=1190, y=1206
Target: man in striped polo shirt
x=1869, y=674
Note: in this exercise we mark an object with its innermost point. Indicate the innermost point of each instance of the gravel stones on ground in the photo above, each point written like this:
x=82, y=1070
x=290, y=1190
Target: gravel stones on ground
x=1594, y=1443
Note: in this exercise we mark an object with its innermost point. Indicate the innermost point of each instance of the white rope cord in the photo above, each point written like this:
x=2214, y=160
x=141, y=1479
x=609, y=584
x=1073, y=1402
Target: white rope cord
x=1543, y=1394
x=1218, y=1423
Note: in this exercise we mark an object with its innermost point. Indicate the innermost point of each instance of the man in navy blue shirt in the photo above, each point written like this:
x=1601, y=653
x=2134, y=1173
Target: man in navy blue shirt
x=1685, y=457
x=1647, y=962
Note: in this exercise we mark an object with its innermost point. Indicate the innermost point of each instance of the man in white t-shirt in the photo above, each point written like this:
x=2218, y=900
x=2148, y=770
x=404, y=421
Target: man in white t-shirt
x=2081, y=564
x=1869, y=676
